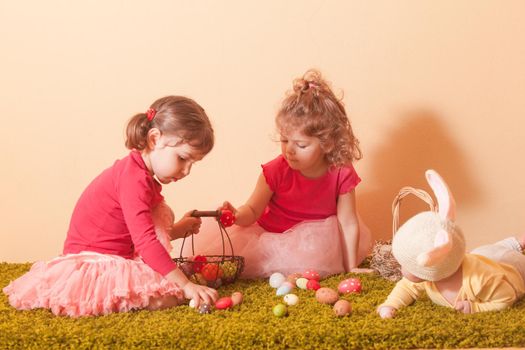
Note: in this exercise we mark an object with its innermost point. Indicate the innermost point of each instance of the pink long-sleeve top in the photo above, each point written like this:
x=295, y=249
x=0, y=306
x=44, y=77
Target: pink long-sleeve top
x=113, y=215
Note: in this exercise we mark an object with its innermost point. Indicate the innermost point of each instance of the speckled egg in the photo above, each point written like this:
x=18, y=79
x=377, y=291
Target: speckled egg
x=311, y=275
x=276, y=279
x=237, y=298
x=326, y=295
x=350, y=285
x=291, y=299
x=342, y=308
x=301, y=282
x=204, y=308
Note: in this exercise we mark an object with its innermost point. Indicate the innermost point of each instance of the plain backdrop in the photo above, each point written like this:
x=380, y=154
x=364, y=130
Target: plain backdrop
x=426, y=84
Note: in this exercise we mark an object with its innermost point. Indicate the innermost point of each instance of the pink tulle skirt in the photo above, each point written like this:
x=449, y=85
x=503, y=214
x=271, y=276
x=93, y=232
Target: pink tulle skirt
x=90, y=283
x=308, y=245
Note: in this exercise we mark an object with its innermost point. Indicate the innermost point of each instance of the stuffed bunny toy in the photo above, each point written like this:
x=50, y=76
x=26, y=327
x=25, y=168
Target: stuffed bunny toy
x=430, y=248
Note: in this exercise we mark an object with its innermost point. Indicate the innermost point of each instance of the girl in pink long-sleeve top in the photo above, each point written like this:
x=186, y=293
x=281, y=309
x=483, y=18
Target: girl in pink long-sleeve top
x=116, y=254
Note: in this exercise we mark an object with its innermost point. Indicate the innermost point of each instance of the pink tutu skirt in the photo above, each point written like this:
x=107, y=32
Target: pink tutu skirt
x=308, y=245
x=90, y=283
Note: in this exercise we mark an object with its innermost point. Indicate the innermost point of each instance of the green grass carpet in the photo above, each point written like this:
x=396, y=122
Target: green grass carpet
x=252, y=325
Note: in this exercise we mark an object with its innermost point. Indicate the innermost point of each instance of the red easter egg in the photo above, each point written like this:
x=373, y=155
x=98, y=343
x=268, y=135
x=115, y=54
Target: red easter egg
x=211, y=272
x=311, y=275
x=313, y=285
x=198, y=262
x=223, y=303
x=227, y=218
x=350, y=285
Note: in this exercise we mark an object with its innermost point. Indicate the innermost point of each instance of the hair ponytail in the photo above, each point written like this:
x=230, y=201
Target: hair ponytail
x=137, y=131
x=172, y=115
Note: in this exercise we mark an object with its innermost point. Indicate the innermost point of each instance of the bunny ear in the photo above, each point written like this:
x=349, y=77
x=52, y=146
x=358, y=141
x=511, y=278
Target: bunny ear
x=442, y=246
x=446, y=203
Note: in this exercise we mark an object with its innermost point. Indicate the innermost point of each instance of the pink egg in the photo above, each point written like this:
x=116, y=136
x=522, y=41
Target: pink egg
x=350, y=285
x=223, y=303
x=311, y=275
x=313, y=285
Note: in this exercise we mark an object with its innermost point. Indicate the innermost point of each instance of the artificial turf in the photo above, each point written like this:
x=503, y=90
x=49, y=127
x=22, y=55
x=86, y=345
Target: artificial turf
x=252, y=325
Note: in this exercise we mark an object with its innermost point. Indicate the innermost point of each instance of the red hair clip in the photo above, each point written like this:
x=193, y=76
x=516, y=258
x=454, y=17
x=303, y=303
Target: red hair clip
x=150, y=113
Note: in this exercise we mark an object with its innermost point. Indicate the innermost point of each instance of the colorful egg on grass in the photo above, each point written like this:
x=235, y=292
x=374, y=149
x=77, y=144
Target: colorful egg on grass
x=211, y=272
x=291, y=299
x=237, y=298
x=276, y=279
x=313, y=285
x=280, y=310
x=311, y=275
x=301, y=282
x=342, y=308
x=223, y=303
x=198, y=262
x=326, y=295
x=204, y=308
x=350, y=285
x=285, y=288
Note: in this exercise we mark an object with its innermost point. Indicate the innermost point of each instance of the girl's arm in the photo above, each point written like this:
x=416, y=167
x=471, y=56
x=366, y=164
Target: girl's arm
x=347, y=217
x=187, y=225
x=252, y=210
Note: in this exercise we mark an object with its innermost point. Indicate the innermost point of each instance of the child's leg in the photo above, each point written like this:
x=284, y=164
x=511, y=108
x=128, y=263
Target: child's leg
x=496, y=250
x=164, y=302
x=508, y=251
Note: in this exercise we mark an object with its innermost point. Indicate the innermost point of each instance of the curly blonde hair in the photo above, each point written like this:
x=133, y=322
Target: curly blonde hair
x=313, y=108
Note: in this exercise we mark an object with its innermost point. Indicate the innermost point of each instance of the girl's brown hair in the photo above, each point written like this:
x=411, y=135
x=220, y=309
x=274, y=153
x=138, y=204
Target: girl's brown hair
x=313, y=108
x=174, y=115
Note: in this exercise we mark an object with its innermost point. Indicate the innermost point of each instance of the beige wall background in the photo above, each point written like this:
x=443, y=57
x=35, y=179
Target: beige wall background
x=427, y=84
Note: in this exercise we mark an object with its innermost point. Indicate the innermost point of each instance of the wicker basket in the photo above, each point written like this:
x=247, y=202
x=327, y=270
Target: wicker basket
x=211, y=270
x=382, y=258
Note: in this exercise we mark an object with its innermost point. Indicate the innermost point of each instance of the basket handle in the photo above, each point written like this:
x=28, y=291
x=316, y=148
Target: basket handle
x=209, y=213
x=405, y=191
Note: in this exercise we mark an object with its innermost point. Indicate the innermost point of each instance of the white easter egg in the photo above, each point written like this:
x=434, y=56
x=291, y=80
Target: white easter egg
x=192, y=303
x=276, y=279
x=291, y=299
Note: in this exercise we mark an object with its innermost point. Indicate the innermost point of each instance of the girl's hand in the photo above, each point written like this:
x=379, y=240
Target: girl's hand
x=463, y=306
x=227, y=205
x=186, y=225
x=200, y=294
x=386, y=312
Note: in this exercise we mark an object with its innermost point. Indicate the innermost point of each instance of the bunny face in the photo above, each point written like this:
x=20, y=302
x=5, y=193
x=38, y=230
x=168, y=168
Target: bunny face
x=429, y=245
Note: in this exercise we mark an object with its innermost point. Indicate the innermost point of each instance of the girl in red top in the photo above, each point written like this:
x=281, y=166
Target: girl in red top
x=115, y=256
x=302, y=213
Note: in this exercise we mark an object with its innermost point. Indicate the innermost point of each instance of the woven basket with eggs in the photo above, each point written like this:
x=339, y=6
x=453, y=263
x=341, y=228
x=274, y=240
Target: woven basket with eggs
x=212, y=270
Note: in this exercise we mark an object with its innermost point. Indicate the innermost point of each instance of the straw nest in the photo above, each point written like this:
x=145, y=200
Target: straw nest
x=384, y=262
